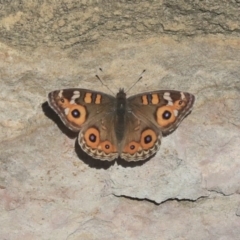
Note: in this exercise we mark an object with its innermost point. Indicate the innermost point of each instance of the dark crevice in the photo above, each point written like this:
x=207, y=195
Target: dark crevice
x=156, y=203
x=221, y=193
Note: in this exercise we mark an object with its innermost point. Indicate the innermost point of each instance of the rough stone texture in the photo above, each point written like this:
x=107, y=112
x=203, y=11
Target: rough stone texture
x=50, y=190
x=69, y=23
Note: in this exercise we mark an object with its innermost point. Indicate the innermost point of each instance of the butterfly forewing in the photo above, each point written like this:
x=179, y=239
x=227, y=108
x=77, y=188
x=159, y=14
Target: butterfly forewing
x=164, y=108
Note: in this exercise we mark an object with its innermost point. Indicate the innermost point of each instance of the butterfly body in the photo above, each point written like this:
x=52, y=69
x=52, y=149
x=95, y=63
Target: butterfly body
x=111, y=127
x=120, y=112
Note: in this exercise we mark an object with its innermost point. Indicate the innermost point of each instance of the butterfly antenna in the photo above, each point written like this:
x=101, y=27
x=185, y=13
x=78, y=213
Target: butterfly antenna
x=137, y=80
x=105, y=85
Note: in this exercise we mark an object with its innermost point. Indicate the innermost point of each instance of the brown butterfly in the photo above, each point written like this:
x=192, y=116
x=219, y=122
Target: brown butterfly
x=111, y=127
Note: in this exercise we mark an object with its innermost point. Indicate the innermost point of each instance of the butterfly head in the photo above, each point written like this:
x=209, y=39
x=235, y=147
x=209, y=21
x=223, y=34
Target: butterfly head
x=121, y=94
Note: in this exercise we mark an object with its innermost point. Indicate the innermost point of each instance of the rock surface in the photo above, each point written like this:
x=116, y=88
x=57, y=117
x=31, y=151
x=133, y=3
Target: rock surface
x=189, y=190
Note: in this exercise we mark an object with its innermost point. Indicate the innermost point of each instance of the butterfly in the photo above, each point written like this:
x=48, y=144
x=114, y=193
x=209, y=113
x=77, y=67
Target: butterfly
x=119, y=127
